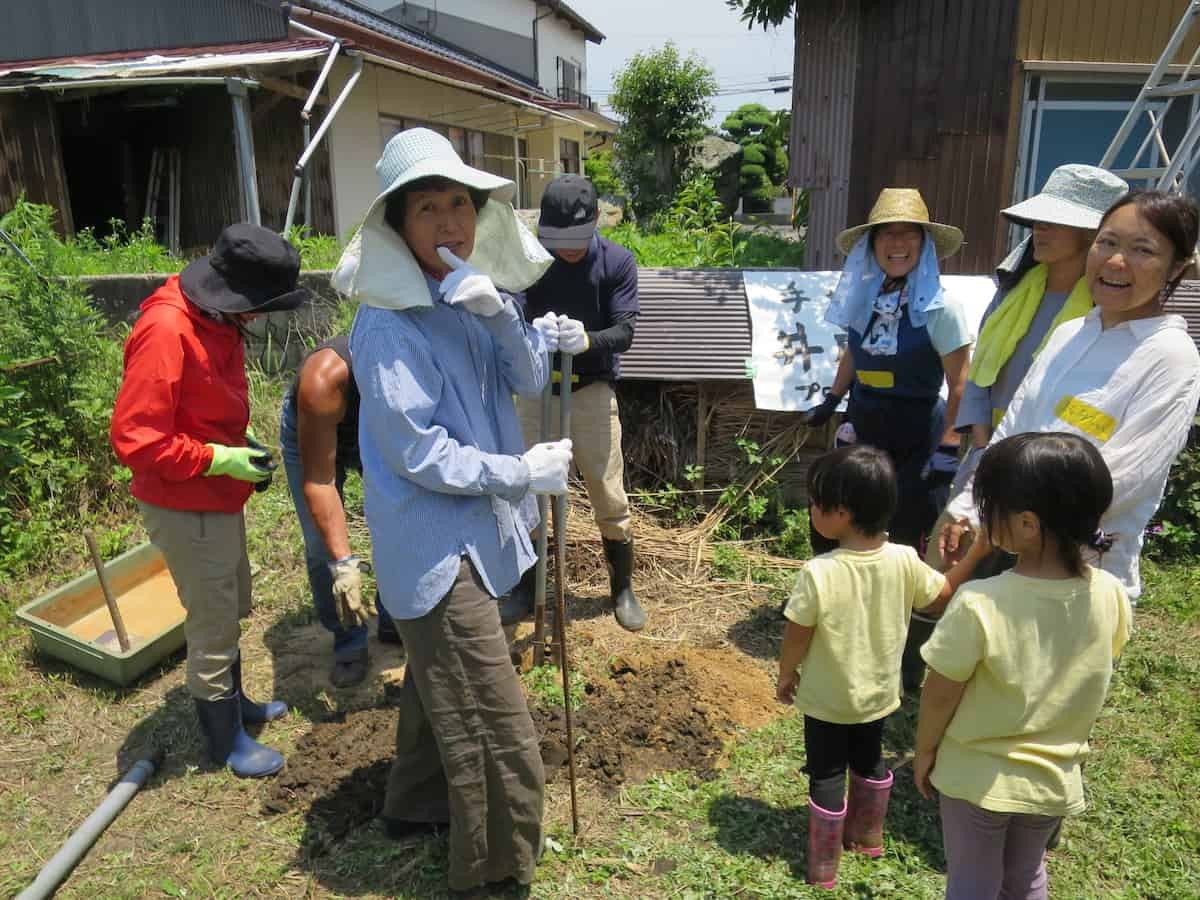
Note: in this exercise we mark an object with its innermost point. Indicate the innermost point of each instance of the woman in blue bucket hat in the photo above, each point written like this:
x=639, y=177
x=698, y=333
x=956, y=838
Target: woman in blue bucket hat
x=438, y=350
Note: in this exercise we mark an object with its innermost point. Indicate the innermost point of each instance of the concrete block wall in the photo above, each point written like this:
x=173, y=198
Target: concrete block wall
x=280, y=340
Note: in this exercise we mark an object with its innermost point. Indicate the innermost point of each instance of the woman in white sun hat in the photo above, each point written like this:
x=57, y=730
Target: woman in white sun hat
x=1041, y=286
x=438, y=350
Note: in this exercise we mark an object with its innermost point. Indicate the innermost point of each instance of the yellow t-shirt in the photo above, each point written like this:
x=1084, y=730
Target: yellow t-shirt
x=859, y=603
x=1037, y=656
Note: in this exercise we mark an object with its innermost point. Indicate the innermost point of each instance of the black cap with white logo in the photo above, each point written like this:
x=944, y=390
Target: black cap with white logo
x=569, y=213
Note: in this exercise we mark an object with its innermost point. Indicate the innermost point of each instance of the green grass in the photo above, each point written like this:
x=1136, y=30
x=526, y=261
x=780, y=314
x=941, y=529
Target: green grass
x=543, y=684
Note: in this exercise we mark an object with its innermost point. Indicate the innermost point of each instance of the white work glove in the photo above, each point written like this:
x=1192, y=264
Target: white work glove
x=571, y=336
x=347, y=591
x=547, y=327
x=469, y=288
x=548, y=464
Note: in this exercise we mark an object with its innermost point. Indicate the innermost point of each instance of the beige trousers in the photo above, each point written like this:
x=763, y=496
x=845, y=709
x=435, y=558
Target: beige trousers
x=596, y=446
x=206, y=554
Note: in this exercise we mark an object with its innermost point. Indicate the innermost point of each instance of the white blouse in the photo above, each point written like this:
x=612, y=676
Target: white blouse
x=1132, y=391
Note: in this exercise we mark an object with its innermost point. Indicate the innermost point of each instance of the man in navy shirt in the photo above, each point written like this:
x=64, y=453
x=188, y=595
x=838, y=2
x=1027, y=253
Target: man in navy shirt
x=592, y=287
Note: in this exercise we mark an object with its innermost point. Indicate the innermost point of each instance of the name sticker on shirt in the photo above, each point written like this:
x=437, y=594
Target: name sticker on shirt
x=1086, y=418
x=877, y=379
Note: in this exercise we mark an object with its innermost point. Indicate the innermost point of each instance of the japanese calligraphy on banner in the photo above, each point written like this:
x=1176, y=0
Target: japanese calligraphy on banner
x=795, y=352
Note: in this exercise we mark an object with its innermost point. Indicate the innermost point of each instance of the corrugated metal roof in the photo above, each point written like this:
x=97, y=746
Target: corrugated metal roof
x=694, y=326
x=1186, y=302
x=358, y=15
x=169, y=53
x=182, y=59
x=57, y=28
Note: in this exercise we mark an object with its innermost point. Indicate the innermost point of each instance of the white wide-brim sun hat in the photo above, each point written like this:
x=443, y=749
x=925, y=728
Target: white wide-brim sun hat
x=378, y=268
x=1075, y=195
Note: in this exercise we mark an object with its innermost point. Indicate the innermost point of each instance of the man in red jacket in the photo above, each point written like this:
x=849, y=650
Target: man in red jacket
x=180, y=425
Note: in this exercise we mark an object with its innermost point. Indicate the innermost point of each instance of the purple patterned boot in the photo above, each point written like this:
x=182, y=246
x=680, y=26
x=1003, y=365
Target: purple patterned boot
x=866, y=808
x=824, y=844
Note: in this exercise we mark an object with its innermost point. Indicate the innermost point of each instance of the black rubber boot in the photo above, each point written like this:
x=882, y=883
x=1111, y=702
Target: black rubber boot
x=518, y=605
x=228, y=743
x=628, y=611
x=912, y=666
x=256, y=713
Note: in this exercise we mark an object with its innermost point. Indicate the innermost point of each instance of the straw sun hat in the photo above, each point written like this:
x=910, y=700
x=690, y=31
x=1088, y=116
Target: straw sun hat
x=378, y=268
x=903, y=205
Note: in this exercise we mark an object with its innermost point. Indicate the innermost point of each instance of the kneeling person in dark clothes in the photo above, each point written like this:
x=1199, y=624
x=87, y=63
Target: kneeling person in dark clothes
x=318, y=432
x=592, y=287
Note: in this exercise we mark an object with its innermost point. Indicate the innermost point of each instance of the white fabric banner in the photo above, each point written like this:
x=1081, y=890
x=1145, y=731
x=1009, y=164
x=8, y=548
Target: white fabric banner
x=795, y=352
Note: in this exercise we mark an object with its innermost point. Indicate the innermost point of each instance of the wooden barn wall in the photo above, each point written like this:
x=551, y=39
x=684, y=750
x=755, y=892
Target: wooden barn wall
x=827, y=39
x=30, y=156
x=278, y=143
x=1100, y=30
x=932, y=111
x=209, y=189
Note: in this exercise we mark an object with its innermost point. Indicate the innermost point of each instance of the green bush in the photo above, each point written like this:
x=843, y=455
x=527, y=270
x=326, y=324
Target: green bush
x=1175, y=532
x=598, y=167
x=59, y=373
x=754, y=155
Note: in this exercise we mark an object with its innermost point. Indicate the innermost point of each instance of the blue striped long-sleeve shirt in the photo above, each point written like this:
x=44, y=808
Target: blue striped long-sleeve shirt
x=441, y=446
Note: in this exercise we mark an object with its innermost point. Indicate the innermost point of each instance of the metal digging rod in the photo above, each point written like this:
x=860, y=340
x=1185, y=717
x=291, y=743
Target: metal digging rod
x=560, y=613
x=543, y=505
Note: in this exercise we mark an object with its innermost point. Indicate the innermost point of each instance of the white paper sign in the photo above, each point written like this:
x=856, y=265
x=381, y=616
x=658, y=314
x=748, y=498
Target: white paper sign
x=795, y=352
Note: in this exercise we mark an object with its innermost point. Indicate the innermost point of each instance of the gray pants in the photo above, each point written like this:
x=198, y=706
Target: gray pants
x=206, y=555
x=990, y=854
x=466, y=749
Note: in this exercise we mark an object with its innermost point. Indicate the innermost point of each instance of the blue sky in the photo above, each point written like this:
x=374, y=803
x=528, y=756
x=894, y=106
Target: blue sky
x=742, y=60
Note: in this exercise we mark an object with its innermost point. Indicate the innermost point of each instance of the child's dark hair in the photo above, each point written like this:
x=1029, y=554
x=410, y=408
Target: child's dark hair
x=394, y=204
x=858, y=478
x=1060, y=478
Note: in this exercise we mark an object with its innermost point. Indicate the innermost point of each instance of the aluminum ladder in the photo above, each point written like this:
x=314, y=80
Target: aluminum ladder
x=1179, y=162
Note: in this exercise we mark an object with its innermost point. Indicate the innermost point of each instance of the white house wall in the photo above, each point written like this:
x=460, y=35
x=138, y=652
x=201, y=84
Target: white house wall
x=356, y=141
x=556, y=38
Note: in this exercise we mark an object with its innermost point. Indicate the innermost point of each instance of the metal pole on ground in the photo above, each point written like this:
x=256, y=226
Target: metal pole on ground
x=543, y=503
x=560, y=553
x=64, y=861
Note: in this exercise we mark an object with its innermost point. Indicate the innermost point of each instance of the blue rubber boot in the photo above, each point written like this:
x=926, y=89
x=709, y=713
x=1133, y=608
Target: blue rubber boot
x=228, y=743
x=256, y=713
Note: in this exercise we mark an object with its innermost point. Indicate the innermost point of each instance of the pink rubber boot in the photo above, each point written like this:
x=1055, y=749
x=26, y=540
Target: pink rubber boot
x=824, y=844
x=866, y=808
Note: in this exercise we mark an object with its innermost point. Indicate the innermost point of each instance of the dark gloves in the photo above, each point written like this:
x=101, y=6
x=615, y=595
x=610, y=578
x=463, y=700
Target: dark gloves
x=264, y=459
x=819, y=415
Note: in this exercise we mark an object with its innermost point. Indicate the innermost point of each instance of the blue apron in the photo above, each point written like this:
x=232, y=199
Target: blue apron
x=895, y=406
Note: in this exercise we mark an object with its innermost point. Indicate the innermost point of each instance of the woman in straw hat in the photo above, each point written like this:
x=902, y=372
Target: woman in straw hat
x=180, y=423
x=438, y=350
x=905, y=340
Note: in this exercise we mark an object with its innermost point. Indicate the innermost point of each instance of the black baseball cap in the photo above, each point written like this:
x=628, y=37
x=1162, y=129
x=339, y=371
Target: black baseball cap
x=570, y=211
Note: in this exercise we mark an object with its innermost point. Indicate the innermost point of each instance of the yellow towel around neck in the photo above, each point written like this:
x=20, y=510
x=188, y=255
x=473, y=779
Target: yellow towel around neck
x=1009, y=323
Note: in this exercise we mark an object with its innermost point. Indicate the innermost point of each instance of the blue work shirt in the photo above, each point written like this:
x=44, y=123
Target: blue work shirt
x=441, y=446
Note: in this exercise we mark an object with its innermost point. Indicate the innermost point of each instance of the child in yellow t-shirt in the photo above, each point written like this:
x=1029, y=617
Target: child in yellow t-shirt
x=847, y=622
x=1019, y=667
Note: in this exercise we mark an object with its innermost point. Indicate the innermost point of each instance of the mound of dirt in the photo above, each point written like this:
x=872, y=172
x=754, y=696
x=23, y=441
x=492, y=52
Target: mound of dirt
x=641, y=720
x=648, y=712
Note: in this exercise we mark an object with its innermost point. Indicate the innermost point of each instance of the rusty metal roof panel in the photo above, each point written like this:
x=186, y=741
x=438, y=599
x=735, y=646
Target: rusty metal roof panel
x=694, y=326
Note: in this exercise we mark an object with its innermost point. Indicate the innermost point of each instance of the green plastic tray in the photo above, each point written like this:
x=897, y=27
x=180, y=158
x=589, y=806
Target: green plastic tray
x=62, y=619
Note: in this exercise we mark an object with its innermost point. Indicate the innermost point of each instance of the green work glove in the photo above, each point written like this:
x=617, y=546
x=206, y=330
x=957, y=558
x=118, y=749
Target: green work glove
x=242, y=463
